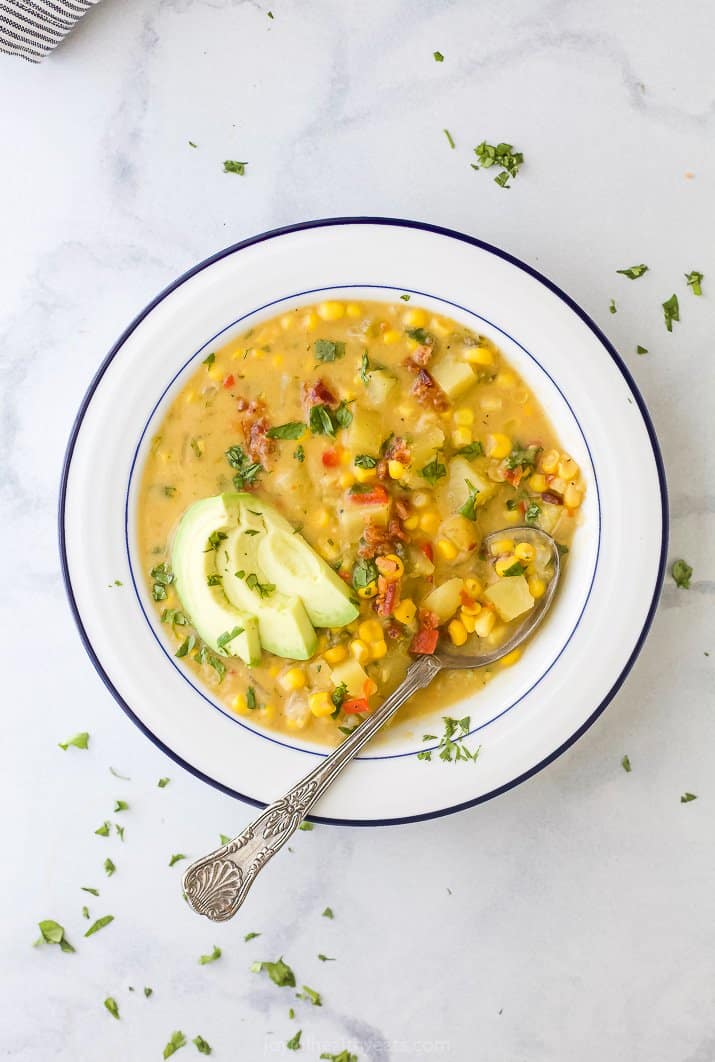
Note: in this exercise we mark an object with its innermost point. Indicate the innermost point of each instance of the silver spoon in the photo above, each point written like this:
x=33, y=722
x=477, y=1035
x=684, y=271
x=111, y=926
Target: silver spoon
x=217, y=884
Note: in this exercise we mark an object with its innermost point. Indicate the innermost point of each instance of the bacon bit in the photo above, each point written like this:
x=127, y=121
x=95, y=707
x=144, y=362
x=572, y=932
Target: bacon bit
x=393, y=631
x=346, y=576
x=397, y=450
x=314, y=394
x=355, y=705
x=513, y=476
x=427, y=392
x=424, y=642
x=428, y=620
x=387, y=566
x=229, y=381
x=552, y=497
x=377, y=495
x=381, y=469
x=374, y=540
x=396, y=530
x=426, y=548
x=259, y=446
x=420, y=356
x=388, y=596
x=330, y=458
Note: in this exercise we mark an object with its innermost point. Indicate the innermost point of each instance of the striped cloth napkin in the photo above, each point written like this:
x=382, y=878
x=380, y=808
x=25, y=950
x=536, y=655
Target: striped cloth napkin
x=32, y=28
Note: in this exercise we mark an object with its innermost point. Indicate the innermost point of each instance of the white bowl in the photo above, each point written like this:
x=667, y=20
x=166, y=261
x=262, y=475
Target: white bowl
x=527, y=715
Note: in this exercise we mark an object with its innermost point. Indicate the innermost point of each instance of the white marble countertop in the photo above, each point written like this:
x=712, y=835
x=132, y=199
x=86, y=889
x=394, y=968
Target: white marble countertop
x=572, y=918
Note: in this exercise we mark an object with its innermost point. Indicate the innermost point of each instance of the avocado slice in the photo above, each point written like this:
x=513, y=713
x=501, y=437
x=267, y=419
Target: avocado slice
x=283, y=623
x=193, y=562
x=294, y=567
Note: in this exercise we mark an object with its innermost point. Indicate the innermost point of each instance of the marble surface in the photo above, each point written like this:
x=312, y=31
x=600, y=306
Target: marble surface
x=571, y=918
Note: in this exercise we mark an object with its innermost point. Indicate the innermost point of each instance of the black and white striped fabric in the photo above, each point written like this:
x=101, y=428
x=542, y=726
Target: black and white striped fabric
x=32, y=28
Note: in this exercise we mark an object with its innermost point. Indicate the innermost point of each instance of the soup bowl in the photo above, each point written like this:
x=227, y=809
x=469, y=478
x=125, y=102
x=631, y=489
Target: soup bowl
x=526, y=715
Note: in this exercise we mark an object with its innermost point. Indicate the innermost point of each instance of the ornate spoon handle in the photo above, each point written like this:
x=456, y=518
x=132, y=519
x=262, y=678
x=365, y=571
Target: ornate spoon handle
x=217, y=885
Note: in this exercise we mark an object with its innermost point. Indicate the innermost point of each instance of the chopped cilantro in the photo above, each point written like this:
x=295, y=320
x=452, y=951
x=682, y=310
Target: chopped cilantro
x=517, y=568
x=203, y=1046
x=104, y=829
x=262, y=589
x=633, y=272
x=671, y=311
x=209, y=360
x=228, y=636
x=473, y=449
x=328, y=350
x=687, y=797
x=148, y=992
x=214, y=579
x=681, y=572
x=523, y=458
x=203, y=655
x=405, y=298
x=112, y=1006
x=79, y=741
x=251, y=936
x=121, y=805
x=173, y=616
x=499, y=155
x=215, y=954
x=314, y=997
x=53, y=933
x=451, y=747
x=294, y=1043
x=251, y=701
x=325, y=958
x=694, y=281
x=612, y=308
x=231, y=166
x=364, y=573
x=641, y=350
x=469, y=508
x=328, y=913
x=176, y=1040
x=186, y=646
x=224, y=838
x=176, y=857
x=109, y=868
x=85, y=912
x=247, y=471
x=338, y=696
x=293, y=429
x=365, y=461
x=450, y=138
x=99, y=924
x=626, y=764
x=163, y=782
x=305, y=825
x=438, y=57
x=426, y=339
x=344, y=1056
x=532, y=513
x=299, y=454
x=434, y=470
x=87, y=888
x=279, y=972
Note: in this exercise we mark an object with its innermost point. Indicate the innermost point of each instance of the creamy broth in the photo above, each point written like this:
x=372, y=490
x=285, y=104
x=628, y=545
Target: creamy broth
x=418, y=438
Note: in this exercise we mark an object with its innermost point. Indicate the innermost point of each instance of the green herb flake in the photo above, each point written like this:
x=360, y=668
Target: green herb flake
x=328, y=913
x=214, y=579
x=340, y=693
x=633, y=272
x=246, y=471
x=87, y=888
x=163, y=782
x=148, y=992
x=299, y=454
x=208, y=361
x=325, y=958
x=251, y=936
x=203, y=655
x=231, y=166
x=450, y=138
x=365, y=461
x=502, y=155
x=104, y=830
x=626, y=764
x=314, y=997
x=438, y=57
x=294, y=1043
x=228, y=636
x=694, y=281
x=473, y=449
x=307, y=826
x=120, y=831
x=186, y=646
x=524, y=458
x=671, y=311
x=53, y=933
x=279, y=972
x=434, y=471
x=79, y=741
x=343, y=1056
x=262, y=589
x=169, y=492
x=682, y=573
x=687, y=797
x=406, y=298
x=469, y=509
x=612, y=308
x=121, y=805
x=517, y=568
x=99, y=924
x=421, y=336
x=224, y=838
x=641, y=350
x=176, y=1040
x=202, y=1046
x=328, y=350
x=251, y=701
x=176, y=858
x=293, y=429
x=85, y=912
x=451, y=747
x=364, y=572
x=109, y=868
x=215, y=954
x=112, y=1006
x=532, y=514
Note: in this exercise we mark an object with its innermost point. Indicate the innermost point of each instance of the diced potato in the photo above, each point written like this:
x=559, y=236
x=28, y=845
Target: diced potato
x=379, y=387
x=352, y=674
x=510, y=597
x=365, y=433
x=418, y=563
x=444, y=600
x=353, y=517
x=549, y=516
x=454, y=377
x=453, y=491
x=425, y=441
x=461, y=531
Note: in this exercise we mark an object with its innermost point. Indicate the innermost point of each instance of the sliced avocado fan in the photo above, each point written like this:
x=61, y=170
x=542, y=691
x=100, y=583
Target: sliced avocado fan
x=240, y=566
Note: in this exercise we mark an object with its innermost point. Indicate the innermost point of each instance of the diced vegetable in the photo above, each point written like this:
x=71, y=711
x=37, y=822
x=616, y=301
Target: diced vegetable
x=444, y=600
x=353, y=675
x=461, y=531
x=454, y=491
x=453, y=376
x=379, y=387
x=424, y=441
x=510, y=597
x=424, y=642
x=365, y=433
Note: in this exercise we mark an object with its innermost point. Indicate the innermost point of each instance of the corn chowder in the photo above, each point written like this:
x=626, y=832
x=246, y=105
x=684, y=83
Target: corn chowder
x=312, y=510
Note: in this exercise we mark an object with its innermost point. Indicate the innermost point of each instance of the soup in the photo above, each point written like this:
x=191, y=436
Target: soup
x=390, y=440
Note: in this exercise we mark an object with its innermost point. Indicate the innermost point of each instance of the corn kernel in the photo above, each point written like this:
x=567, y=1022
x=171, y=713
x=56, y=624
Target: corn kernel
x=568, y=469
x=461, y=436
x=321, y=518
x=505, y=379
x=537, y=586
x=406, y=611
x=335, y=654
x=512, y=516
x=416, y=318
x=511, y=658
x=286, y=321
x=429, y=522
x=292, y=679
x=572, y=496
x=457, y=632
x=491, y=403
x=446, y=549
x=277, y=361
x=557, y=484
x=468, y=621
x=331, y=311
x=472, y=610
x=354, y=310
x=479, y=356
x=396, y=469
x=390, y=336
x=215, y=372
x=503, y=565
x=345, y=456
x=485, y=623
x=296, y=722
x=310, y=321
x=525, y=552
x=464, y=417
x=360, y=650
x=329, y=549
x=498, y=445
x=549, y=462
x=239, y=704
x=267, y=713
x=370, y=630
x=321, y=704
x=420, y=499
x=378, y=649
x=368, y=591
x=473, y=587
x=346, y=479
x=503, y=545
x=411, y=522
x=365, y=475
x=537, y=482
